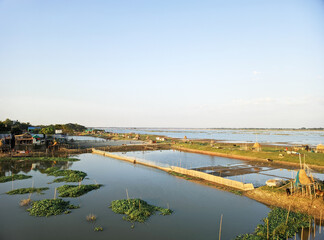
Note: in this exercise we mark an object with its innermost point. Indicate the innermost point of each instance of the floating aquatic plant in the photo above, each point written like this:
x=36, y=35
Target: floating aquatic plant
x=49, y=207
x=14, y=177
x=98, y=229
x=76, y=190
x=27, y=190
x=66, y=175
x=137, y=210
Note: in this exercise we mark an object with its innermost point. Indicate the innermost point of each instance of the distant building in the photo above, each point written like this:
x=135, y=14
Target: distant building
x=59, y=131
x=33, y=129
x=24, y=139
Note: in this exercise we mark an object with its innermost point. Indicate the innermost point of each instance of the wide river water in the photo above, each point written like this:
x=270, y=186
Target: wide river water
x=280, y=137
x=197, y=208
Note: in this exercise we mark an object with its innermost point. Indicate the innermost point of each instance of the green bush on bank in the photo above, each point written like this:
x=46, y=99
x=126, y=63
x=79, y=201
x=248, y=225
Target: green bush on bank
x=279, y=227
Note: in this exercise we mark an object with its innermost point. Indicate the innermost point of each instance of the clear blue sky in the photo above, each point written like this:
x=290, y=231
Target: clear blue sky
x=166, y=63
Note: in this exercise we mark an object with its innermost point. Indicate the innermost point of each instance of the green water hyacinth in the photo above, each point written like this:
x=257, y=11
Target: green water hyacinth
x=66, y=175
x=27, y=190
x=14, y=177
x=136, y=210
x=50, y=207
x=76, y=190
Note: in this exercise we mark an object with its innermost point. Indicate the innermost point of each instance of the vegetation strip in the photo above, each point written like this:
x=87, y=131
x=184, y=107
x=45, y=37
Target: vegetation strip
x=27, y=190
x=75, y=190
x=47, y=159
x=49, y=207
x=280, y=224
x=67, y=175
x=14, y=177
x=136, y=210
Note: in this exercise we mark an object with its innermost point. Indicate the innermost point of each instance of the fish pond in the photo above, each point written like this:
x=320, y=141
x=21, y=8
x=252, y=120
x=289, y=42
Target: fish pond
x=189, y=210
x=235, y=169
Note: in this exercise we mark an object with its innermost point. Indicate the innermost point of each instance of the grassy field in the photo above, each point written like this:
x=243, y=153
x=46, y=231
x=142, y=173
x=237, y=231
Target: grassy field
x=268, y=152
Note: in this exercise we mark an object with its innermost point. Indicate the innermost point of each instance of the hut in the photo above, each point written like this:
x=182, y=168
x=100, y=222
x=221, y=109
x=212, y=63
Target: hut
x=256, y=147
x=320, y=148
x=24, y=139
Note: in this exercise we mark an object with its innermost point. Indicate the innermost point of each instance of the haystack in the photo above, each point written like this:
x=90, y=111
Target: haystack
x=257, y=147
x=303, y=178
x=320, y=148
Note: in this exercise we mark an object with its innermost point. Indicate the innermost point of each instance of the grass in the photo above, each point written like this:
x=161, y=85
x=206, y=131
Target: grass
x=49, y=207
x=182, y=176
x=76, y=190
x=268, y=152
x=27, y=190
x=66, y=175
x=13, y=178
x=136, y=210
x=279, y=227
x=48, y=159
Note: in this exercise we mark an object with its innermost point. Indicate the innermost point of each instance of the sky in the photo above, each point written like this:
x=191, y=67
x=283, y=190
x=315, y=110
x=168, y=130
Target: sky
x=170, y=63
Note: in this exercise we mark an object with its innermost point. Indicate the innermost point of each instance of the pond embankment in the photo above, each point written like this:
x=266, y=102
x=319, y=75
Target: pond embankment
x=182, y=171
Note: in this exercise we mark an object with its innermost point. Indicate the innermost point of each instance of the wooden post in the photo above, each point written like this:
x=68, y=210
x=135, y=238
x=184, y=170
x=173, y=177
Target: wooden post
x=220, y=228
x=55, y=193
x=267, y=228
x=302, y=233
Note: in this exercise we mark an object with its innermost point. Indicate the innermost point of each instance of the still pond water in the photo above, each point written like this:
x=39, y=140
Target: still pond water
x=197, y=208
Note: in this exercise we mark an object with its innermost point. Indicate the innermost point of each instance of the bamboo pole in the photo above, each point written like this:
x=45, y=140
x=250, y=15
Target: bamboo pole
x=220, y=227
x=320, y=227
x=288, y=215
x=314, y=227
x=127, y=194
x=267, y=228
x=55, y=193
x=302, y=233
x=309, y=229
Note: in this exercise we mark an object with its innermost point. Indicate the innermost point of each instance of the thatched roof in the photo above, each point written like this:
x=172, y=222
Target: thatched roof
x=257, y=145
x=320, y=147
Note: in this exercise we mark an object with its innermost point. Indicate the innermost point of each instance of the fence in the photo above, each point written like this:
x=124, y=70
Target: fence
x=193, y=173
